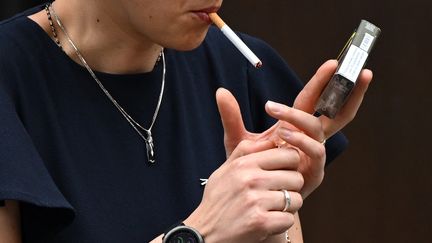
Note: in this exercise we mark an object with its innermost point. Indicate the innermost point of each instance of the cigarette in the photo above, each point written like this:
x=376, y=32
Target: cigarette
x=241, y=46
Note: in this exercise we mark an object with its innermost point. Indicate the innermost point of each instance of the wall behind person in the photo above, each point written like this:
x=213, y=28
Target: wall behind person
x=380, y=189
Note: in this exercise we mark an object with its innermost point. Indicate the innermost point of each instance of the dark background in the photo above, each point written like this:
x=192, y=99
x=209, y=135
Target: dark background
x=380, y=189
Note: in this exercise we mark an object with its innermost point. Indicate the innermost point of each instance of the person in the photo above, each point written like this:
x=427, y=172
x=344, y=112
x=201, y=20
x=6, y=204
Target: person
x=111, y=132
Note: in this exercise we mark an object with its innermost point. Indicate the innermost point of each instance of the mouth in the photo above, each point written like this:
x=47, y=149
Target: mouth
x=212, y=9
x=202, y=14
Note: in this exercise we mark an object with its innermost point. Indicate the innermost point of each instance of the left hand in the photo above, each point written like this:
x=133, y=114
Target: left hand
x=302, y=127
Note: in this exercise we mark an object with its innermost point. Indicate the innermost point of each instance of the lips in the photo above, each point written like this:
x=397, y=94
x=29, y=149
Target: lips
x=212, y=9
x=203, y=13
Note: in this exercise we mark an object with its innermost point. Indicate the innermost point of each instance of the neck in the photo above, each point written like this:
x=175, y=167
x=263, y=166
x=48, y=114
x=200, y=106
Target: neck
x=107, y=44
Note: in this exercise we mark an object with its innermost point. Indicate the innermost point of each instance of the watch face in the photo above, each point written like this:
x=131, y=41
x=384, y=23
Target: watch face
x=182, y=235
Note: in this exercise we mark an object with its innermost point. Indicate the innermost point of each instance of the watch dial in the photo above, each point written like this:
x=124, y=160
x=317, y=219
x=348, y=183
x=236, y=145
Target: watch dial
x=183, y=237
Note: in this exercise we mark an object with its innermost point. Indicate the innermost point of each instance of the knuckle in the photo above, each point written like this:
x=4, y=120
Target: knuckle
x=319, y=126
x=251, y=199
x=348, y=116
x=351, y=116
x=295, y=114
x=255, y=181
x=240, y=163
x=300, y=179
x=316, y=128
x=294, y=155
x=244, y=146
x=299, y=199
x=320, y=178
x=286, y=111
x=251, y=180
x=258, y=221
x=215, y=175
x=320, y=151
x=289, y=220
x=316, y=180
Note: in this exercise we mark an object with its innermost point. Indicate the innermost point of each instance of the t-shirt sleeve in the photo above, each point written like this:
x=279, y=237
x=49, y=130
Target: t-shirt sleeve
x=276, y=81
x=25, y=178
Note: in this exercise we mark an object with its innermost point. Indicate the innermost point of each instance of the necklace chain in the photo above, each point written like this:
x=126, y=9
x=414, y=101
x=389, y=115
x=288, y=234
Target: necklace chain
x=148, y=139
x=53, y=30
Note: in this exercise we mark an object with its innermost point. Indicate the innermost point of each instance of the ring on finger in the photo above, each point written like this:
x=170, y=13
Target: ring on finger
x=287, y=200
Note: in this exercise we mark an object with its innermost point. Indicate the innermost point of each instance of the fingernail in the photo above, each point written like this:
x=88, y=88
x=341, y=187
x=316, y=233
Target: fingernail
x=273, y=106
x=285, y=133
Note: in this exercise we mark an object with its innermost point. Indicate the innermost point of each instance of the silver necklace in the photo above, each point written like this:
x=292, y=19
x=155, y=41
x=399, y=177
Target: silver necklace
x=148, y=139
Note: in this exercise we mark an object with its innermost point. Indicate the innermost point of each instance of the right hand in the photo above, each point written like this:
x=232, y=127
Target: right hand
x=242, y=201
x=298, y=120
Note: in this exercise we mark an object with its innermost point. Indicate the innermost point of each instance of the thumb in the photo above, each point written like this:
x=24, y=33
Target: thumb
x=308, y=97
x=232, y=121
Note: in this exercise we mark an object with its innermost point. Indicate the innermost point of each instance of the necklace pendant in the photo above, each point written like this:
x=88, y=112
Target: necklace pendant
x=150, y=150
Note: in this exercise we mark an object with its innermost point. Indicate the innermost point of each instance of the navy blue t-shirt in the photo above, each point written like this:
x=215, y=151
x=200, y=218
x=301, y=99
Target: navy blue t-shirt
x=80, y=170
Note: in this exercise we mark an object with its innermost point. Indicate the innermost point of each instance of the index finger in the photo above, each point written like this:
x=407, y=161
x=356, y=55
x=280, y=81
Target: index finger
x=306, y=122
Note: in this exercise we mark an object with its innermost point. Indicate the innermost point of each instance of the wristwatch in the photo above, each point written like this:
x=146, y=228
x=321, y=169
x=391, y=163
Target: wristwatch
x=180, y=233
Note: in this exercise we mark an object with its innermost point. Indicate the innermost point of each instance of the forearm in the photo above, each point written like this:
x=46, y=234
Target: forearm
x=157, y=240
x=10, y=230
x=294, y=233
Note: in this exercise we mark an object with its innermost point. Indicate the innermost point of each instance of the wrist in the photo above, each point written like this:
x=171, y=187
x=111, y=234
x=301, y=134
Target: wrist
x=203, y=225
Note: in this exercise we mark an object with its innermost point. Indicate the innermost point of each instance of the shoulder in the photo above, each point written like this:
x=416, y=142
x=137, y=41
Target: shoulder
x=8, y=38
x=14, y=43
x=19, y=34
x=21, y=45
x=12, y=55
x=11, y=28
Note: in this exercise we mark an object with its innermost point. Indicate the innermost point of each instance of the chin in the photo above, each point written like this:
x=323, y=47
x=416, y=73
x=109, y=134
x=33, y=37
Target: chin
x=188, y=42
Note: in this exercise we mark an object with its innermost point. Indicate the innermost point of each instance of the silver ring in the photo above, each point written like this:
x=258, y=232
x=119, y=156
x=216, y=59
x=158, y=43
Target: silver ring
x=287, y=200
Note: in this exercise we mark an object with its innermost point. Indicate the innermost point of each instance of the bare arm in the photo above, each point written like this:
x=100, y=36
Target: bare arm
x=157, y=240
x=294, y=233
x=10, y=225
